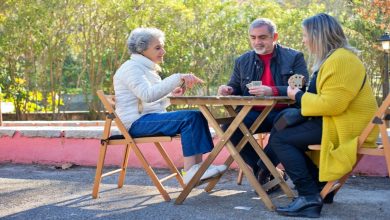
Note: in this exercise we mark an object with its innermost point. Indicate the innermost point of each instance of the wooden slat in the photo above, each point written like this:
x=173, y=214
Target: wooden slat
x=371, y=151
x=363, y=150
x=168, y=177
x=315, y=147
x=141, y=140
x=270, y=184
x=152, y=139
x=111, y=172
x=226, y=120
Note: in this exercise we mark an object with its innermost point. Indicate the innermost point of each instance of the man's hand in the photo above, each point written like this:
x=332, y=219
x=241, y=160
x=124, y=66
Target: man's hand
x=178, y=91
x=225, y=90
x=292, y=91
x=261, y=90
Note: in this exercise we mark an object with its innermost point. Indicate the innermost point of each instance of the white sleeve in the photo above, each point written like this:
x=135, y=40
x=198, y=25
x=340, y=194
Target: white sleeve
x=145, y=90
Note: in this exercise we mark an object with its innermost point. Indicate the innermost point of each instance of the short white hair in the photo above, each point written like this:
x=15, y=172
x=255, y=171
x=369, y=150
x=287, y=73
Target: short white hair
x=140, y=38
x=264, y=22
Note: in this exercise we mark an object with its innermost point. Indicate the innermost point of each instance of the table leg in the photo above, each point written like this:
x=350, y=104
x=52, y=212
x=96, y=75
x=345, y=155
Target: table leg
x=236, y=156
x=248, y=137
x=243, y=141
x=249, y=175
x=214, y=153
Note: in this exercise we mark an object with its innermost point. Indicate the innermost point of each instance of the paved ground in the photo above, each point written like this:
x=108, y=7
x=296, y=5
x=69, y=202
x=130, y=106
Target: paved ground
x=44, y=192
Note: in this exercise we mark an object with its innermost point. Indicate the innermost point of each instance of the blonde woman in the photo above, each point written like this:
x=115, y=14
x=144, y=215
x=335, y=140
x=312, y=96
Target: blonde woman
x=339, y=103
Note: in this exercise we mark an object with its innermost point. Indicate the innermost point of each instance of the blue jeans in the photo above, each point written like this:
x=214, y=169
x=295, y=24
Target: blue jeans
x=191, y=125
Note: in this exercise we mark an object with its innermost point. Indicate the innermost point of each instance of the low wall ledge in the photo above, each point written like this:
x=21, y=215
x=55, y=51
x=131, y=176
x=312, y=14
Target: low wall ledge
x=58, y=129
x=94, y=132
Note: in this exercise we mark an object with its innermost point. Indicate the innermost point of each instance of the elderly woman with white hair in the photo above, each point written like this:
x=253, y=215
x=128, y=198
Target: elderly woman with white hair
x=141, y=101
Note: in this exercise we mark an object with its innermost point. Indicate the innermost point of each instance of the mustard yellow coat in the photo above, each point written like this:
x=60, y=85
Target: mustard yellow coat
x=346, y=111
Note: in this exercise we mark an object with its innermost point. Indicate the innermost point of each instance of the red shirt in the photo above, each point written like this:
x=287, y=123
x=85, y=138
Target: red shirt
x=267, y=75
x=266, y=78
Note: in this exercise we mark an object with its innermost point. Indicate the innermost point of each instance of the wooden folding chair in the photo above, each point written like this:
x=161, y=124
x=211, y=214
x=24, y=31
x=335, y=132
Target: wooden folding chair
x=130, y=143
x=380, y=119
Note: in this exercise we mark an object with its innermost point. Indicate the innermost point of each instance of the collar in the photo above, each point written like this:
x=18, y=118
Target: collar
x=145, y=61
x=274, y=53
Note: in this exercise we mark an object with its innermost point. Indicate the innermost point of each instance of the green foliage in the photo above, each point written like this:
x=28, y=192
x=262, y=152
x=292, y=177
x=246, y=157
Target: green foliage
x=49, y=48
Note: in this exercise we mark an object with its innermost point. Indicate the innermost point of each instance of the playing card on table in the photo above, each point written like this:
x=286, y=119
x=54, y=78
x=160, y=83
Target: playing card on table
x=296, y=80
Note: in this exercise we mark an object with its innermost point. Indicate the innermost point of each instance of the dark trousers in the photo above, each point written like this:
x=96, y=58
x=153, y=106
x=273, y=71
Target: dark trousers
x=288, y=146
x=248, y=153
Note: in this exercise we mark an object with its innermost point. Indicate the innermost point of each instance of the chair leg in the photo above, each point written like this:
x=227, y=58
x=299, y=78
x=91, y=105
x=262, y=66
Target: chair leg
x=335, y=186
x=151, y=173
x=122, y=175
x=387, y=159
x=386, y=145
x=170, y=163
x=240, y=177
x=99, y=170
x=260, y=140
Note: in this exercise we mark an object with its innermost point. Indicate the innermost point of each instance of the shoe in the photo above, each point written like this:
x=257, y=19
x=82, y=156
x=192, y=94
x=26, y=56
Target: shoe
x=220, y=168
x=329, y=198
x=210, y=172
x=303, y=206
x=264, y=176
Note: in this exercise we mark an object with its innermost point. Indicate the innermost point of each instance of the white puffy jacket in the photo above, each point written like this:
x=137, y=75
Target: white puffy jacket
x=138, y=79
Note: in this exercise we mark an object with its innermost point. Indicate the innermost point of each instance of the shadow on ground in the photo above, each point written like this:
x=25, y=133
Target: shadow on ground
x=43, y=192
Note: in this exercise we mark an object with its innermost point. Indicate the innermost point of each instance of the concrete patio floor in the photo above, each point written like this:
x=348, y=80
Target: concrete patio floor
x=44, y=192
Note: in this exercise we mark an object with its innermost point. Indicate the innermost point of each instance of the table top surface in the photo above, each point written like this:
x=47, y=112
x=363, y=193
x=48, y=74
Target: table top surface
x=233, y=100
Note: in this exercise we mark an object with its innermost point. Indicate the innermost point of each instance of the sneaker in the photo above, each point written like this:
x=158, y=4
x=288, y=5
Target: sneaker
x=210, y=172
x=220, y=168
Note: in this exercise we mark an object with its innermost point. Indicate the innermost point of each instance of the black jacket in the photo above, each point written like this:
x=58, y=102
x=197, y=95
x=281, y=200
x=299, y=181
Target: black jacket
x=284, y=63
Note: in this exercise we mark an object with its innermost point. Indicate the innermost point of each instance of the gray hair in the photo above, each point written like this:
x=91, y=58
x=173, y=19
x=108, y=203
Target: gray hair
x=140, y=38
x=261, y=22
x=325, y=35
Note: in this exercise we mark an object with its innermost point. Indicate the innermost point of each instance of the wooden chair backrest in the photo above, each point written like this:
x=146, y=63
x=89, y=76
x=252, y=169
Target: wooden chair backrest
x=109, y=104
x=380, y=119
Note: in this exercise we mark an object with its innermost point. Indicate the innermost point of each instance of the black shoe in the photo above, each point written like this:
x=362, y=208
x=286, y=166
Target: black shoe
x=264, y=176
x=329, y=198
x=276, y=187
x=303, y=206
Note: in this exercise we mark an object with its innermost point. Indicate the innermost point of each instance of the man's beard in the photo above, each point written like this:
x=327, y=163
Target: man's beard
x=260, y=51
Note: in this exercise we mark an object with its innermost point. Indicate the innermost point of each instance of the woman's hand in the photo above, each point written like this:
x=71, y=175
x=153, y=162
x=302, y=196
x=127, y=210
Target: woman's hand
x=292, y=91
x=178, y=91
x=190, y=80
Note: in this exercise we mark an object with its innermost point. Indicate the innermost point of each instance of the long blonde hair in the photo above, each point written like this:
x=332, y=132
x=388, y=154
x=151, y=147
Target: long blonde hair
x=325, y=35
